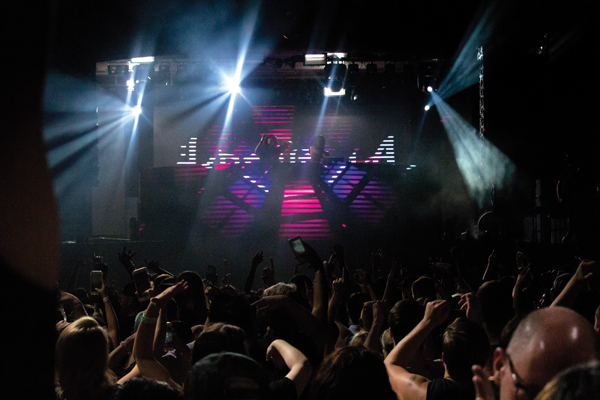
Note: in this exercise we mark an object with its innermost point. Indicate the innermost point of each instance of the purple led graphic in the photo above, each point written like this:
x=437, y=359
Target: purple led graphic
x=227, y=218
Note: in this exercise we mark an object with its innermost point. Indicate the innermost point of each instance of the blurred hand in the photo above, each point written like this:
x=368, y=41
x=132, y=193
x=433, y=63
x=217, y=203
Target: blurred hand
x=585, y=270
x=524, y=278
x=471, y=304
x=257, y=259
x=483, y=386
x=362, y=277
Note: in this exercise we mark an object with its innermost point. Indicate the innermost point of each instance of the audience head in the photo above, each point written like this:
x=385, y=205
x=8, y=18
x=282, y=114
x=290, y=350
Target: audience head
x=355, y=305
x=424, y=288
x=465, y=344
x=82, y=360
x=546, y=342
x=145, y=389
x=407, y=287
x=283, y=289
x=496, y=306
x=217, y=338
x=226, y=376
x=352, y=373
x=404, y=317
x=581, y=382
x=229, y=307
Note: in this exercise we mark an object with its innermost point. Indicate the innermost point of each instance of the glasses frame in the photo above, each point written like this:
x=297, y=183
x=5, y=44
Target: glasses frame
x=524, y=392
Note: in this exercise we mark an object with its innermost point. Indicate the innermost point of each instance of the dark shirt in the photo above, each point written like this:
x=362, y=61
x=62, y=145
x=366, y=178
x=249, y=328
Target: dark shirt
x=444, y=389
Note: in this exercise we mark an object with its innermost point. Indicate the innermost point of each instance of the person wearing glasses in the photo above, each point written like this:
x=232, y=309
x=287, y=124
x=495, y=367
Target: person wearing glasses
x=546, y=342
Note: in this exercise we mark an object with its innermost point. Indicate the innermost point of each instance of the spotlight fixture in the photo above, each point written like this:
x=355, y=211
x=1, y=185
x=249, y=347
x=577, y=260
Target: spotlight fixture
x=118, y=69
x=429, y=89
x=315, y=59
x=335, y=74
x=137, y=110
x=427, y=107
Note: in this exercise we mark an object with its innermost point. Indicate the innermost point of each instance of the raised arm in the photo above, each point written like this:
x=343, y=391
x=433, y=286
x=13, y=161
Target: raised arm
x=72, y=301
x=143, y=347
x=111, y=318
x=373, y=341
x=577, y=283
x=306, y=322
x=256, y=260
x=491, y=271
x=282, y=353
x=405, y=384
x=126, y=260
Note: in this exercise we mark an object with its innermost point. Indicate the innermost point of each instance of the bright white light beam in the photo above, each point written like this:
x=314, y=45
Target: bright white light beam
x=480, y=166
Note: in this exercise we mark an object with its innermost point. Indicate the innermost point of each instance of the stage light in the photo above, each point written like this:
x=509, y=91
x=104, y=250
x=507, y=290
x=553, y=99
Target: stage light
x=233, y=85
x=130, y=84
x=335, y=74
x=329, y=93
x=315, y=59
x=427, y=107
x=142, y=60
x=137, y=110
x=429, y=89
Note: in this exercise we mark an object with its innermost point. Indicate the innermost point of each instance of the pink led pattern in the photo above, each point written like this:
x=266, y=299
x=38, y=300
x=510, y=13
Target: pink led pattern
x=301, y=213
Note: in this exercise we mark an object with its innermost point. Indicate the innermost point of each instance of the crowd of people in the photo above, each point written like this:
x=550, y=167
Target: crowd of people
x=441, y=331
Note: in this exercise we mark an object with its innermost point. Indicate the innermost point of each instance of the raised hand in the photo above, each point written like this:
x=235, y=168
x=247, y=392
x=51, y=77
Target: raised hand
x=268, y=274
x=521, y=260
x=585, y=270
x=524, y=278
x=379, y=313
x=102, y=289
x=339, y=288
x=126, y=257
x=339, y=252
x=436, y=312
x=471, y=304
x=163, y=298
x=362, y=277
x=257, y=259
x=311, y=256
x=96, y=260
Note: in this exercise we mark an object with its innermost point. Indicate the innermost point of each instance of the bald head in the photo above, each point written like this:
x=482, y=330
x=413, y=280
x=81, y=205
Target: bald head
x=548, y=341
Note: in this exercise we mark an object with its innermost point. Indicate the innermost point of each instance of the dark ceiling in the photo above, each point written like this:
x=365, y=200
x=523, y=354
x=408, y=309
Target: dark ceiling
x=555, y=85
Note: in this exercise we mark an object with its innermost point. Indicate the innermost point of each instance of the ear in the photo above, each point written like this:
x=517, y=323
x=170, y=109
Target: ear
x=498, y=363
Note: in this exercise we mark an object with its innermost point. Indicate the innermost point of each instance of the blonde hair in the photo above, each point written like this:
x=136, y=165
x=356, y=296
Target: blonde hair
x=82, y=361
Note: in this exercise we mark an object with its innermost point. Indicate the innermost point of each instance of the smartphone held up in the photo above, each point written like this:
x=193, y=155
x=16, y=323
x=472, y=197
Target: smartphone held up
x=142, y=283
x=298, y=248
